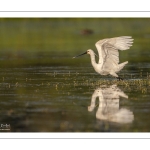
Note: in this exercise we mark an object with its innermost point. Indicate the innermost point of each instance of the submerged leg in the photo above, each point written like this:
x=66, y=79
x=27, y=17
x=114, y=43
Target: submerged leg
x=116, y=76
x=119, y=78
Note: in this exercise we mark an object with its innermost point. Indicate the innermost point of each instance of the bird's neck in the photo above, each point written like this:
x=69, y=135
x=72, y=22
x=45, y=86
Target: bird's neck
x=93, y=61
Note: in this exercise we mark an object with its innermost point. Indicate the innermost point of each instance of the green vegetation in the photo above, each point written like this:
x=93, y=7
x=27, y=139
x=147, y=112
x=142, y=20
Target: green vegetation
x=41, y=40
x=43, y=89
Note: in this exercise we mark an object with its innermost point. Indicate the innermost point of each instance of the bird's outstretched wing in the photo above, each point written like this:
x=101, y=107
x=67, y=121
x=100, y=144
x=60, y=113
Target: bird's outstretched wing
x=108, y=48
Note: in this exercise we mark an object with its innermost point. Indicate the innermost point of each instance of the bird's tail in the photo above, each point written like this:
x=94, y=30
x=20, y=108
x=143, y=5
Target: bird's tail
x=120, y=66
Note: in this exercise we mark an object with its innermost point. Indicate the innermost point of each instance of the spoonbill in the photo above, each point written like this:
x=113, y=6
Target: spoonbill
x=108, y=55
x=109, y=108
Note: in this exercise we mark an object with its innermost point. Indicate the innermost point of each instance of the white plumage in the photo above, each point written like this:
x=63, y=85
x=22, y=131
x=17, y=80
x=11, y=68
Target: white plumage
x=108, y=55
x=109, y=108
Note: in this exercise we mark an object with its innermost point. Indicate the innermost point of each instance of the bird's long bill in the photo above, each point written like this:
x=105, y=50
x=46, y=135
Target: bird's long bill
x=80, y=55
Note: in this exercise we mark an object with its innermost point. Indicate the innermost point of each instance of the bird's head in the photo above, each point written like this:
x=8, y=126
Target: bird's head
x=89, y=51
x=90, y=108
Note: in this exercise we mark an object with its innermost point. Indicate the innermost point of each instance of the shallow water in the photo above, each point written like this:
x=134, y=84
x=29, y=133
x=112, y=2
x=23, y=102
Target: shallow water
x=61, y=99
x=42, y=89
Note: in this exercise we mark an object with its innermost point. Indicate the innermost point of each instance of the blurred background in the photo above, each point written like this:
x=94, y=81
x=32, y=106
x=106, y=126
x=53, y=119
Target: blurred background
x=27, y=41
x=42, y=89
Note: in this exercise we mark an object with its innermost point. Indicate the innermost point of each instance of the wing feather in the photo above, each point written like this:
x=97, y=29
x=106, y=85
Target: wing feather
x=108, y=49
x=111, y=59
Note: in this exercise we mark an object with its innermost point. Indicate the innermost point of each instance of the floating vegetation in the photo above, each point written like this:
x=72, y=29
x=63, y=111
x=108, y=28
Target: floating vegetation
x=69, y=80
x=43, y=90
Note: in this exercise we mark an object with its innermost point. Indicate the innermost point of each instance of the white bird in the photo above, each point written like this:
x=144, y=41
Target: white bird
x=109, y=108
x=108, y=55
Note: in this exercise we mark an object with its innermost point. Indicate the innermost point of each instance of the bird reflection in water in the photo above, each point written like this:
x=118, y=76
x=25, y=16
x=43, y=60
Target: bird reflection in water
x=108, y=108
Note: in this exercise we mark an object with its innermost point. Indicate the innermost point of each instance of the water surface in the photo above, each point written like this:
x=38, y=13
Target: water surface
x=58, y=99
x=42, y=89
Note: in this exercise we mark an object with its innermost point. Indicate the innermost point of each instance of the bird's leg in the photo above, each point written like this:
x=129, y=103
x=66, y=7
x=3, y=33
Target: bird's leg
x=115, y=75
x=119, y=78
